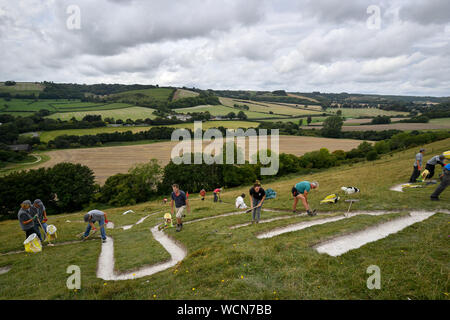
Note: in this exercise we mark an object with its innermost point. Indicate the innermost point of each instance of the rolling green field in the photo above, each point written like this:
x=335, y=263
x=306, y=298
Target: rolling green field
x=22, y=87
x=441, y=121
x=266, y=107
x=118, y=111
x=183, y=93
x=155, y=94
x=221, y=110
x=46, y=136
x=365, y=112
x=225, y=263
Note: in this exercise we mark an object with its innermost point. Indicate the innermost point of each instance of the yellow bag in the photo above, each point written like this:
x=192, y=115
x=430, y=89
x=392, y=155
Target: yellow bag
x=332, y=198
x=33, y=244
x=51, y=232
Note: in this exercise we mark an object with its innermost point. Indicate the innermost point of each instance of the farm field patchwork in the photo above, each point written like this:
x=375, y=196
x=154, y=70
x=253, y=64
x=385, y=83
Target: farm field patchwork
x=107, y=161
x=119, y=112
x=266, y=107
x=221, y=110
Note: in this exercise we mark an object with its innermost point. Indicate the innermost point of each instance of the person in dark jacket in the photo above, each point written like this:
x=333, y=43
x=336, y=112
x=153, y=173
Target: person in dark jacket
x=445, y=181
x=431, y=164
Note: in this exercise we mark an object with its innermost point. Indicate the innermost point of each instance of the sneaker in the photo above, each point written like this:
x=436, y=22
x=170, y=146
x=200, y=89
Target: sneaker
x=434, y=199
x=178, y=228
x=104, y=241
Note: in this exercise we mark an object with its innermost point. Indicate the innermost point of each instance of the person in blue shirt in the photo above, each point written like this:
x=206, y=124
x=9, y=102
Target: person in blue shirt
x=301, y=191
x=181, y=204
x=445, y=181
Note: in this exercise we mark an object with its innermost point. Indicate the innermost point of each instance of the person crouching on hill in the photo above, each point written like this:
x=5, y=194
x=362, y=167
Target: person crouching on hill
x=27, y=222
x=240, y=204
x=95, y=216
x=181, y=204
x=301, y=191
x=258, y=195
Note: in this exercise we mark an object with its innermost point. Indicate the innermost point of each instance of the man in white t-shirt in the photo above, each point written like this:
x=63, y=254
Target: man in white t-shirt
x=240, y=204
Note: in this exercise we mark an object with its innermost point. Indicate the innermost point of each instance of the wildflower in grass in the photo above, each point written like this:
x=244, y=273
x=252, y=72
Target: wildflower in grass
x=222, y=281
x=242, y=277
x=105, y=284
x=193, y=289
x=154, y=296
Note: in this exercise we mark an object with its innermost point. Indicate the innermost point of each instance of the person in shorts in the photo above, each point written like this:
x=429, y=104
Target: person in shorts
x=181, y=205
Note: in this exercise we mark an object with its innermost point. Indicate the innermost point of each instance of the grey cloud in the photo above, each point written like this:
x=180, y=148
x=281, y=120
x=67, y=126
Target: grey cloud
x=426, y=12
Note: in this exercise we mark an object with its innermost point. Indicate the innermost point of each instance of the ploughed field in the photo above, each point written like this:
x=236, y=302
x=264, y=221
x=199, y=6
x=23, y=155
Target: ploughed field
x=107, y=161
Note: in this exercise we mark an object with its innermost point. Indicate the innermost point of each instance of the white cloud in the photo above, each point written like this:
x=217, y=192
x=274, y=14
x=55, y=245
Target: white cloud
x=229, y=44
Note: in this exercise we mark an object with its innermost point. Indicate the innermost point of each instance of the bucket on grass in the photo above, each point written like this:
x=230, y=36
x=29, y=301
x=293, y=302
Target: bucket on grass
x=33, y=244
x=51, y=232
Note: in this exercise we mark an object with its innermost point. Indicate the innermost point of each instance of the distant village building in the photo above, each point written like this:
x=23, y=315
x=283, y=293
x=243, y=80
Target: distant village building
x=182, y=117
x=20, y=147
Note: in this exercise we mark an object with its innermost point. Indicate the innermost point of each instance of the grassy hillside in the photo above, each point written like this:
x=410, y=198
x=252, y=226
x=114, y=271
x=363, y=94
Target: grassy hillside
x=413, y=262
x=114, y=110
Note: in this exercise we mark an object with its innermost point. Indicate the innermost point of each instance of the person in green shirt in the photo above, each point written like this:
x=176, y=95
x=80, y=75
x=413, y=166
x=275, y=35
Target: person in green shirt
x=301, y=191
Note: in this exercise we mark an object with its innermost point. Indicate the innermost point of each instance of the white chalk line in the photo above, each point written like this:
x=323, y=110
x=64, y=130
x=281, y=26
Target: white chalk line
x=343, y=244
x=4, y=270
x=106, y=271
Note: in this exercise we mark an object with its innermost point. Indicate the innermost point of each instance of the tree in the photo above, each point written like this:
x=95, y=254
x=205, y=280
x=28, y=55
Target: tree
x=339, y=113
x=231, y=115
x=332, y=127
x=300, y=122
x=241, y=115
x=309, y=120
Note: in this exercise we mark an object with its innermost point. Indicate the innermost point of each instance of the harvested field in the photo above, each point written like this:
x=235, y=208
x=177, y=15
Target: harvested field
x=398, y=126
x=107, y=161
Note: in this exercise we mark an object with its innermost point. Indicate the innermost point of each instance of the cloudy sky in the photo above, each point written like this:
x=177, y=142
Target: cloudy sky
x=386, y=47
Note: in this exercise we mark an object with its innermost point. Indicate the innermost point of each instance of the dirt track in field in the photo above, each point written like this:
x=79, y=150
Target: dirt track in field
x=107, y=161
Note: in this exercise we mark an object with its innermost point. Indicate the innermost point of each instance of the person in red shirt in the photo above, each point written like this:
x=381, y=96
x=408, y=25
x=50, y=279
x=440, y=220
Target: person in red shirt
x=203, y=194
x=217, y=195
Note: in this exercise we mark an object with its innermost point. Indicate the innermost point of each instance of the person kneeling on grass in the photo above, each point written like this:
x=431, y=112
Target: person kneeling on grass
x=300, y=191
x=93, y=216
x=240, y=204
x=258, y=195
x=27, y=222
x=181, y=203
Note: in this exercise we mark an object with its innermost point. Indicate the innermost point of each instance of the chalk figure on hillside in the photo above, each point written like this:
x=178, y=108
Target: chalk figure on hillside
x=38, y=209
x=445, y=181
x=257, y=195
x=431, y=164
x=417, y=167
x=181, y=205
x=300, y=192
x=240, y=204
x=217, y=194
x=27, y=221
x=95, y=216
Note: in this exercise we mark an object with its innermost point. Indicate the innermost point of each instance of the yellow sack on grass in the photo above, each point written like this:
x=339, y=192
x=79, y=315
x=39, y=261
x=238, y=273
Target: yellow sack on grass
x=33, y=244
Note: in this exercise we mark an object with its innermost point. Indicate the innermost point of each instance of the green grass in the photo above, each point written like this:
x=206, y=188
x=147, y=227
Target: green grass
x=365, y=112
x=116, y=111
x=414, y=262
x=441, y=121
x=182, y=93
x=266, y=107
x=17, y=166
x=155, y=94
x=221, y=110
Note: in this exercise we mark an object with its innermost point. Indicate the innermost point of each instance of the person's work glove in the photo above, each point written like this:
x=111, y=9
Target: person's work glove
x=45, y=220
